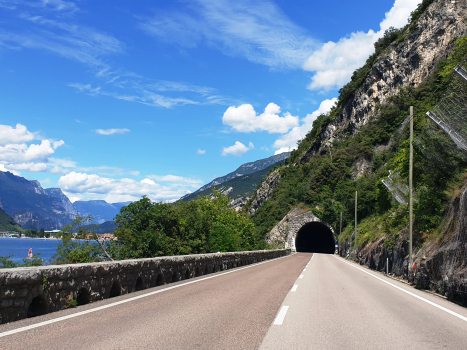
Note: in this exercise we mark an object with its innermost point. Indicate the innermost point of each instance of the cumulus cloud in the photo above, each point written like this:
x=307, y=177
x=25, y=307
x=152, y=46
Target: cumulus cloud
x=17, y=152
x=112, y=131
x=335, y=62
x=237, y=149
x=201, y=151
x=16, y=135
x=83, y=185
x=289, y=141
x=245, y=119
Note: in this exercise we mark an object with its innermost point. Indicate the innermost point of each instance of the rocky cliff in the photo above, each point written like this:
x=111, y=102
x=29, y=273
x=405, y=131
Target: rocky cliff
x=407, y=63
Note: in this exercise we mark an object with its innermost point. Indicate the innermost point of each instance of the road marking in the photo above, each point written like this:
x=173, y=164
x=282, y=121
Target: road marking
x=281, y=315
x=63, y=318
x=294, y=288
x=301, y=276
x=463, y=318
x=304, y=270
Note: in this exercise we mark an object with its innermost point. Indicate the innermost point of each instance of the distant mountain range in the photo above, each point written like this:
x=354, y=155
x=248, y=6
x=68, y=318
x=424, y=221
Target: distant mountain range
x=34, y=207
x=99, y=209
x=239, y=184
x=244, y=184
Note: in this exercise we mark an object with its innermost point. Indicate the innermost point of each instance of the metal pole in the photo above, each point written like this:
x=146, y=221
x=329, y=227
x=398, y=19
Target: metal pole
x=340, y=232
x=355, y=222
x=410, y=188
x=387, y=266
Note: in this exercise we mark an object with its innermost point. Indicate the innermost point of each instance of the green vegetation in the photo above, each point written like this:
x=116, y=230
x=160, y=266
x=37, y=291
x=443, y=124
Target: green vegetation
x=6, y=263
x=147, y=229
x=326, y=183
x=7, y=224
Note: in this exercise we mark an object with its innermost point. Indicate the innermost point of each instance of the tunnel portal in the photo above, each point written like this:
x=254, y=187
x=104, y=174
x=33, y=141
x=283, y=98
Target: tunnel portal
x=315, y=237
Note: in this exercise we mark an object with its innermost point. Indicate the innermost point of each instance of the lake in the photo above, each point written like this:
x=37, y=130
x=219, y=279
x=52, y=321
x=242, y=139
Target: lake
x=19, y=247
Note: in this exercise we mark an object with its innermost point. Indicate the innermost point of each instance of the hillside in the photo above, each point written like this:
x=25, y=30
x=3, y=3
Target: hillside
x=364, y=139
x=238, y=187
x=244, y=169
x=7, y=224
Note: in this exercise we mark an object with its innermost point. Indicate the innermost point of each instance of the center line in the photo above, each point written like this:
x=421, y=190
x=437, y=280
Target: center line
x=281, y=315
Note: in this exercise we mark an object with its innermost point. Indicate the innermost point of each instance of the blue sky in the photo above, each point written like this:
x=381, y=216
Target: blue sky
x=115, y=99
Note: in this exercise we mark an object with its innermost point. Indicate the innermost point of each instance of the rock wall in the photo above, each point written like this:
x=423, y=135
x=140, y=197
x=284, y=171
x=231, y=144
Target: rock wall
x=33, y=291
x=265, y=191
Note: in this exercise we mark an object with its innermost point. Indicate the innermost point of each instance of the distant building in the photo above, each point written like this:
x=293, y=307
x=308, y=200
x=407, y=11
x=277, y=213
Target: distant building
x=53, y=233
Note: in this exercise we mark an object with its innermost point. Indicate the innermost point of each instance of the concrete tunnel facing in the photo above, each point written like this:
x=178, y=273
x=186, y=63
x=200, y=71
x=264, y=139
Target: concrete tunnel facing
x=315, y=237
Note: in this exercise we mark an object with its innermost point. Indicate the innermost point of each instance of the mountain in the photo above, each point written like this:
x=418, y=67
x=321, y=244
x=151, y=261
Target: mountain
x=99, y=209
x=7, y=224
x=30, y=205
x=247, y=168
x=57, y=193
x=237, y=187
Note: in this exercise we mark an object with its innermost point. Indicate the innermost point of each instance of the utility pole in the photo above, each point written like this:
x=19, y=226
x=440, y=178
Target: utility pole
x=411, y=189
x=340, y=231
x=355, y=222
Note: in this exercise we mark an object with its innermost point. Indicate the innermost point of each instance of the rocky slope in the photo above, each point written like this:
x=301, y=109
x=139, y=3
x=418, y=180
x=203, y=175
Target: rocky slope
x=30, y=206
x=247, y=168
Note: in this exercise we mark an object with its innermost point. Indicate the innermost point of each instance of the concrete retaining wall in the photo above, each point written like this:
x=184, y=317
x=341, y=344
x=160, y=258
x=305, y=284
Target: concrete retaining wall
x=34, y=291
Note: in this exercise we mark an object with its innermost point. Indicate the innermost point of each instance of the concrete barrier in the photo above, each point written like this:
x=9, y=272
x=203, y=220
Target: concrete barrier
x=33, y=291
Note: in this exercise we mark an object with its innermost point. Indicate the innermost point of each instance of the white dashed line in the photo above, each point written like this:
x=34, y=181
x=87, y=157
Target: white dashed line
x=281, y=315
x=294, y=288
x=301, y=276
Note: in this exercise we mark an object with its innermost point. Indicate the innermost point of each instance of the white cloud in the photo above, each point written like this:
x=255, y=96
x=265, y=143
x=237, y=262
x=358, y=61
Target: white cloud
x=258, y=31
x=334, y=63
x=201, y=151
x=92, y=186
x=16, y=135
x=108, y=170
x=245, y=119
x=112, y=131
x=3, y=168
x=18, y=153
x=289, y=141
x=237, y=149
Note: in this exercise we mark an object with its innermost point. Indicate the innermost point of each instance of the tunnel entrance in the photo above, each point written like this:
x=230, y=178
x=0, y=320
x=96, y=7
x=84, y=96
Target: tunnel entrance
x=315, y=237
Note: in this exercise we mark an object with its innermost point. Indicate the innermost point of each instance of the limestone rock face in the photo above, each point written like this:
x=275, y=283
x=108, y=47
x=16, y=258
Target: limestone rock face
x=403, y=64
x=265, y=191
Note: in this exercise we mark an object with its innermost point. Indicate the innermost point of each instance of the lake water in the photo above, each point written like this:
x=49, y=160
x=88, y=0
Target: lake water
x=19, y=247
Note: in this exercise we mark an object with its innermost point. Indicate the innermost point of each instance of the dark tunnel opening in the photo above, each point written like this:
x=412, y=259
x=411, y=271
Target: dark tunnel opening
x=315, y=237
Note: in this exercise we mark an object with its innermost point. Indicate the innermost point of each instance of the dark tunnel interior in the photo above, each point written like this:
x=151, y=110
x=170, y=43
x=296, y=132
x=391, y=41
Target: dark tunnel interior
x=315, y=237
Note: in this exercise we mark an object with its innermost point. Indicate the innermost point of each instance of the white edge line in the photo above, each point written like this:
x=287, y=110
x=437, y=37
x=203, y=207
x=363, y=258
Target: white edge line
x=301, y=276
x=63, y=318
x=281, y=315
x=406, y=291
x=294, y=288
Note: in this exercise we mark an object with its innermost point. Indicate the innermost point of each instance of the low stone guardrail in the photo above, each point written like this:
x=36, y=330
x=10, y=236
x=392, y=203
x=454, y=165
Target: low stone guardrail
x=33, y=291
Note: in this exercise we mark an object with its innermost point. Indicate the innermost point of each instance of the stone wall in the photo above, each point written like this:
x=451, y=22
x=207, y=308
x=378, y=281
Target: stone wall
x=34, y=291
x=285, y=232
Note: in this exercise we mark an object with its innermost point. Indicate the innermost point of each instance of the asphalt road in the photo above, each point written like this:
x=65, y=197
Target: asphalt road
x=278, y=304
x=230, y=310
x=340, y=305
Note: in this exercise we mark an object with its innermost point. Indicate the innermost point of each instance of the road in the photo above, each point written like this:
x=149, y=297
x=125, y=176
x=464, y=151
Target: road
x=287, y=303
